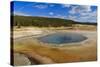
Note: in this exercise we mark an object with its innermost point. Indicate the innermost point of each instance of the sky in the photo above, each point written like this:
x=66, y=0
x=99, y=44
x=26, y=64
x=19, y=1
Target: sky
x=79, y=13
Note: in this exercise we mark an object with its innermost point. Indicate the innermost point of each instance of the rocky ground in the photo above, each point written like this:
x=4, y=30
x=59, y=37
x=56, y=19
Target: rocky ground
x=25, y=43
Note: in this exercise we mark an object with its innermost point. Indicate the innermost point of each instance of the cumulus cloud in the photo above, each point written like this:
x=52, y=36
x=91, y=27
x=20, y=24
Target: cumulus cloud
x=65, y=5
x=80, y=9
x=86, y=8
x=60, y=16
x=51, y=5
x=74, y=9
x=51, y=13
x=85, y=14
x=21, y=14
x=41, y=6
x=89, y=17
x=86, y=19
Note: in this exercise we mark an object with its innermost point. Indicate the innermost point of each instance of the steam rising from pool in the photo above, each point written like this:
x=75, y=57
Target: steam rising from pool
x=61, y=38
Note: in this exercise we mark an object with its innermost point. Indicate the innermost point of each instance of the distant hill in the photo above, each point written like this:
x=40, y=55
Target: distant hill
x=43, y=21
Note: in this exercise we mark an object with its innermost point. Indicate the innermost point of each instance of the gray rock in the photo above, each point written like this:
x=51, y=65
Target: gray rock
x=21, y=59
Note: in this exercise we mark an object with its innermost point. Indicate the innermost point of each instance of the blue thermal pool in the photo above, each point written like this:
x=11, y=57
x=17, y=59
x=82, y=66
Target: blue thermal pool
x=61, y=38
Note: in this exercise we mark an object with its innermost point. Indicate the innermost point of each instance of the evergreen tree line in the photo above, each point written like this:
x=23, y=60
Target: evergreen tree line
x=41, y=21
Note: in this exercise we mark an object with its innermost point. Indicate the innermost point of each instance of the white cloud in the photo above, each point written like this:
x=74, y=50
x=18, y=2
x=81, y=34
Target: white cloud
x=85, y=14
x=88, y=17
x=51, y=13
x=80, y=9
x=66, y=5
x=41, y=6
x=84, y=17
x=86, y=8
x=51, y=5
x=21, y=14
x=60, y=16
x=73, y=10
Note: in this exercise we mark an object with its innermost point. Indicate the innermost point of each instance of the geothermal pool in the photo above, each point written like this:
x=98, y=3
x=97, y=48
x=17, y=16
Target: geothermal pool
x=61, y=38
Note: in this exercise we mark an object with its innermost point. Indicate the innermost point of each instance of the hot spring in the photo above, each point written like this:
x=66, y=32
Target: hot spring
x=61, y=38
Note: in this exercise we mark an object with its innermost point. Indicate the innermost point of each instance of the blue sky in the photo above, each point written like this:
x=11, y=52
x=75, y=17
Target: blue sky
x=80, y=13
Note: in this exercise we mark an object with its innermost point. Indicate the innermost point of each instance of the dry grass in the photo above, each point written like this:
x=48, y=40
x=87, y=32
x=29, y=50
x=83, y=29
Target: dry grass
x=85, y=27
x=74, y=27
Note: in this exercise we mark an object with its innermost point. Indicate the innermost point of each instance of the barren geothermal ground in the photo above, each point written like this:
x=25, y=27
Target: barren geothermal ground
x=29, y=50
